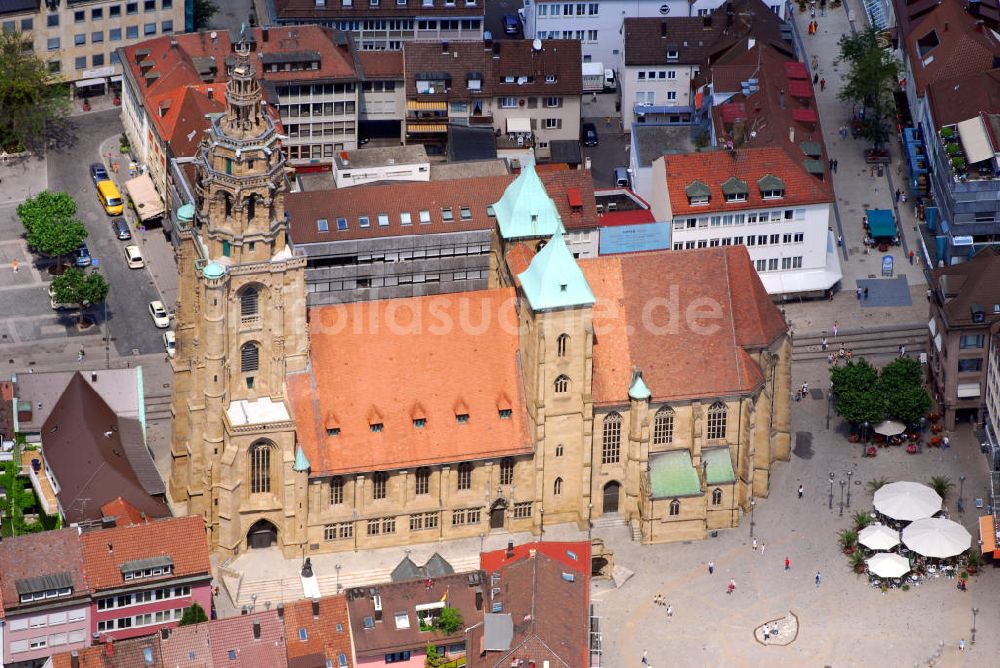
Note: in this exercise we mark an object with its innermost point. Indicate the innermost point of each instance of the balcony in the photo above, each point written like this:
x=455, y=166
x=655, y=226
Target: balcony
x=966, y=151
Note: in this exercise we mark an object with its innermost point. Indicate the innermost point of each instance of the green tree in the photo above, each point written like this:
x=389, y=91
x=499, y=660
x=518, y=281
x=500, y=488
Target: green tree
x=78, y=287
x=941, y=484
x=870, y=81
x=29, y=99
x=46, y=206
x=449, y=621
x=204, y=10
x=900, y=383
x=193, y=615
x=56, y=238
x=433, y=658
x=855, y=385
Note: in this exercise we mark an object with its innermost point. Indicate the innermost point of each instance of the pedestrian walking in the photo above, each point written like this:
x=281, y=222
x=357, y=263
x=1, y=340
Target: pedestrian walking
x=843, y=132
x=945, y=443
x=788, y=564
x=825, y=343
x=767, y=633
x=866, y=293
x=732, y=586
x=898, y=193
x=836, y=166
x=831, y=164
x=774, y=630
x=912, y=254
x=818, y=578
x=860, y=291
x=961, y=644
x=763, y=547
x=14, y=266
x=800, y=491
x=815, y=79
x=834, y=329
x=80, y=355
x=670, y=611
x=711, y=567
x=645, y=658
x=829, y=358
x=840, y=242
x=822, y=85
x=754, y=544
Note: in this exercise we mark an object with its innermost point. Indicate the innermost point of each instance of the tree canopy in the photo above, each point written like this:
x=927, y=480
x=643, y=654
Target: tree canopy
x=204, y=10
x=46, y=206
x=870, y=81
x=29, y=99
x=866, y=394
x=76, y=286
x=195, y=614
x=449, y=621
x=56, y=238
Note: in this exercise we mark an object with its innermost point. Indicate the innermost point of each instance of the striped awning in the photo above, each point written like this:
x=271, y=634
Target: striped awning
x=418, y=105
x=432, y=127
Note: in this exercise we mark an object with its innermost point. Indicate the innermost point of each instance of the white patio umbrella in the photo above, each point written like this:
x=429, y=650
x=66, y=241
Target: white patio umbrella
x=907, y=501
x=878, y=537
x=890, y=428
x=937, y=537
x=888, y=565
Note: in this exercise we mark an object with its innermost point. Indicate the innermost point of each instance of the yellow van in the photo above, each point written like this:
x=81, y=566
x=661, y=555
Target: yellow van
x=110, y=198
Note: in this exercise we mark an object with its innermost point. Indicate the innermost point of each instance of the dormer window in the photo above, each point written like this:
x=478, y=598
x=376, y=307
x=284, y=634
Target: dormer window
x=550, y=78
x=419, y=423
x=474, y=80
x=333, y=431
x=462, y=418
x=508, y=79
x=375, y=427
x=44, y=587
x=152, y=567
x=771, y=187
x=505, y=413
x=735, y=190
x=698, y=193
x=672, y=54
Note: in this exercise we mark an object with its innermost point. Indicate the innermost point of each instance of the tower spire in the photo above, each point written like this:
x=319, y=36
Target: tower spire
x=243, y=95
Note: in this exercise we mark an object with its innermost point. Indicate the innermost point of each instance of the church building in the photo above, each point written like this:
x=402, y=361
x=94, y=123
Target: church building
x=649, y=389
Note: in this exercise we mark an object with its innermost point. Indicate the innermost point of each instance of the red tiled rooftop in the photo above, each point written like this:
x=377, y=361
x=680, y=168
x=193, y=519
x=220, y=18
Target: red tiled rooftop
x=234, y=636
x=181, y=538
x=410, y=346
x=123, y=512
x=381, y=64
x=323, y=638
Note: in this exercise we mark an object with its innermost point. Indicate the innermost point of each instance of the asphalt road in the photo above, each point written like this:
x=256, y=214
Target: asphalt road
x=609, y=153
x=495, y=10
x=132, y=330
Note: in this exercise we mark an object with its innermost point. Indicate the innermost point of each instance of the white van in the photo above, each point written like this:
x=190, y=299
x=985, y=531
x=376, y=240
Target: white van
x=609, y=79
x=621, y=177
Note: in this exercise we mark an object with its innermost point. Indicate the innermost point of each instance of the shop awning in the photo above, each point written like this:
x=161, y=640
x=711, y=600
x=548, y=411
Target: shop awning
x=804, y=115
x=796, y=70
x=967, y=390
x=988, y=535
x=519, y=125
x=881, y=223
x=574, y=198
x=144, y=196
x=975, y=140
x=419, y=105
x=432, y=127
x=798, y=88
x=83, y=83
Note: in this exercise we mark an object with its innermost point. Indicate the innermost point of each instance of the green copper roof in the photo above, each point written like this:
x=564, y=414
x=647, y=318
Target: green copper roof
x=186, y=212
x=771, y=182
x=213, y=270
x=734, y=186
x=811, y=149
x=638, y=390
x=554, y=280
x=672, y=474
x=719, y=466
x=301, y=461
x=697, y=189
x=525, y=211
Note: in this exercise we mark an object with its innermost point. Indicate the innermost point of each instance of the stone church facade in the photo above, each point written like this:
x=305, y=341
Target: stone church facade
x=344, y=427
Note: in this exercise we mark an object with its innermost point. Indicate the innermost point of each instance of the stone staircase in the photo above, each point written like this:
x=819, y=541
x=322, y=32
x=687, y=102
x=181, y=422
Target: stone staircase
x=864, y=342
x=157, y=407
x=290, y=588
x=608, y=520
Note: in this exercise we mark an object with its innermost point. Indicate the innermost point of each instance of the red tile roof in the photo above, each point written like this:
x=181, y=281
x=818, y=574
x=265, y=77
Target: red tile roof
x=963, y=48
x=38, y=554
x=416, y=362
x=128, y=653
x=307, y=9
x=634, y=217
x=574, y=555
x=323, y=640
x=180, y=538
x=961, y=98
x=123, y=512
x=182, y=124
x=712, y=168
x=702, y=357
x=518, y=258
x=381, y=64
x=233, y=636
x=190, y=646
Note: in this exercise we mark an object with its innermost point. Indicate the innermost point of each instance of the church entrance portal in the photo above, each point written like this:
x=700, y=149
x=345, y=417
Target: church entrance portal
x=262, y=534
x=497, y=513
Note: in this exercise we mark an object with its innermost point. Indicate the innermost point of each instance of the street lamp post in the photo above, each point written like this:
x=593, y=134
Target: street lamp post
x=831, y=491
x=923, y=424
x=850, y=472
x=337, y=566
x=590, y=520
x=482, y=537
x=961, y=493
x=843, y=484
x=975, y=611
x=865, y=437
x=752, y=504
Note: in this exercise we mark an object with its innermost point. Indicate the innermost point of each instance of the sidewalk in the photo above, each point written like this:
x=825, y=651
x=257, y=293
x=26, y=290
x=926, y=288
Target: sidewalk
x=856, y=190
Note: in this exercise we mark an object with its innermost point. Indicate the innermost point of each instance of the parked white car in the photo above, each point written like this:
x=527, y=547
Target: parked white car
x=158, y=313
x=170, y=342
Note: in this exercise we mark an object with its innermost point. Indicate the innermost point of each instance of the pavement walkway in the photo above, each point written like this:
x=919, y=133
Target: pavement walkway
x=858, y=187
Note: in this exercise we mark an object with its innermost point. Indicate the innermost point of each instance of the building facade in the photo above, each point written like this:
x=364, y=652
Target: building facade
x=510, y=413
x=79, y=39
x=380, y=25
x=598, y=25
x=965, y=313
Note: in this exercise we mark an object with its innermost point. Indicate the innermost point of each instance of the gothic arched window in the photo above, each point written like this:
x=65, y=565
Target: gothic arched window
x=675, y=507
x=611, y=446
x=260, y=467
x=249, y=302
x=562, y=343
x=249, y=358
x=663, y=426
x=716, y=497
x=717, y=417
x=557, y=487
x=562, y=384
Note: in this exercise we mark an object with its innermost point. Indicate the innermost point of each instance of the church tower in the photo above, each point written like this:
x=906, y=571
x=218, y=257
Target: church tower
x=241, y=326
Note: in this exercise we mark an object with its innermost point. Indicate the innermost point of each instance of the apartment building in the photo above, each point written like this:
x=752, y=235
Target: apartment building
x=662, y=57
x=308, y=76
x=46, y=600
x=598, y=25
x=380, y=25
x=529, y=94
x=410, y=239
x=79, y=39
x=964, y=315
x=143, y=576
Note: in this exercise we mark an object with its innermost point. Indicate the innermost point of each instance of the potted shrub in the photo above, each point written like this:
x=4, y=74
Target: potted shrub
x=936, y=428
x=947, y=133
x=905, y=587
x=964, y=575
x=848, y=541
x=853, y=438
x=933, y=416
x=858, y=562
x=952, y=148
x=958, y=163
x=871, y=452
x=974, y=559
x=861, y=520
x=940, y=484
x=935, y=442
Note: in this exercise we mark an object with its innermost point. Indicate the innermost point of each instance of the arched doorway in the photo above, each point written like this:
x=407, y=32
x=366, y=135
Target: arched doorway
x=611, y=491
x=262, y=534
x=597, y=566
x=497, y=512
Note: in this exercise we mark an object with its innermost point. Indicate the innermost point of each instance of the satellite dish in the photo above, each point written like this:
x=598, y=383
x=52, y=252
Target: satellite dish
x=536, y=45
x=213, y=34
